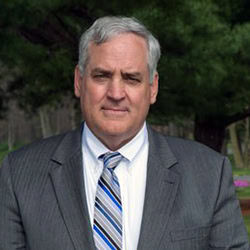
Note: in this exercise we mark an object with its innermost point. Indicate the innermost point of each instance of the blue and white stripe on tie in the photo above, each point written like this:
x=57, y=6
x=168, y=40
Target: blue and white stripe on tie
x=108, y=206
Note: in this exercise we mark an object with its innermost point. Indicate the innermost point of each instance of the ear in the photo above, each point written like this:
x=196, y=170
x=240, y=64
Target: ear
x=77, y=82
x=154, y=88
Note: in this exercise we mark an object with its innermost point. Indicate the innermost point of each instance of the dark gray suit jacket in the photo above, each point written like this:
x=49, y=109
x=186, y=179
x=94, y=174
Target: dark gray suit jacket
x=189, y=204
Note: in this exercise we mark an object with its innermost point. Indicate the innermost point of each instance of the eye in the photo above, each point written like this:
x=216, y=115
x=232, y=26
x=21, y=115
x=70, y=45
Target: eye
x=131, y=79
x=134, y=79
x=100, y=77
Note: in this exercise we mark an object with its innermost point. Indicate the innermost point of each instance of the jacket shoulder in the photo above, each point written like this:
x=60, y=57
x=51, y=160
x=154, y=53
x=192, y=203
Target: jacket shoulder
x=187, y=151
x=38, y=154
x=33, y=162
x=189, y=146
x=40, y=148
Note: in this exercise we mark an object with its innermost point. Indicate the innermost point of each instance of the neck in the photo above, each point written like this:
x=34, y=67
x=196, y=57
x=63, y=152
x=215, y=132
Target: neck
x=114, y=143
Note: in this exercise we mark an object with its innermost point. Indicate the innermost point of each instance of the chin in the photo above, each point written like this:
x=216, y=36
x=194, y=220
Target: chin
x=115, y=131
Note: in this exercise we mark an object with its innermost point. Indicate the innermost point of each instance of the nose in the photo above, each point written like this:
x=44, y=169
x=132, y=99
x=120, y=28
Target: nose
x=116, y=90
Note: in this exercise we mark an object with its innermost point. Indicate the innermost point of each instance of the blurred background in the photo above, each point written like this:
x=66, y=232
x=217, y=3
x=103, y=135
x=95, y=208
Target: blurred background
x=204, y=72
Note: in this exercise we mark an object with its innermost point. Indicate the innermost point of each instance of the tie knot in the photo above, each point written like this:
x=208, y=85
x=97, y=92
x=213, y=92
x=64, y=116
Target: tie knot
x=111, y=159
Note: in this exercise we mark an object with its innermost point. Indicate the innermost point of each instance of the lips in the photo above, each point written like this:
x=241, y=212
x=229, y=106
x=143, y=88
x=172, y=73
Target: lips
x=114, y=111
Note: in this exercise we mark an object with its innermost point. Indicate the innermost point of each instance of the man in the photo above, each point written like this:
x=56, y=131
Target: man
x=72, y=192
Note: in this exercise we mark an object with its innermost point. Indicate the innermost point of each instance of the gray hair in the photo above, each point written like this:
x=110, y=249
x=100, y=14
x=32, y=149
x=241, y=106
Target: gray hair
x=105, y=28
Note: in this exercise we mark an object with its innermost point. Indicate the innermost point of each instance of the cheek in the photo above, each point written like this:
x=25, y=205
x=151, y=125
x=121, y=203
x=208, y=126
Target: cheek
x=91, y=97
x=96, y=93
x=141, y=98
x=141, y=103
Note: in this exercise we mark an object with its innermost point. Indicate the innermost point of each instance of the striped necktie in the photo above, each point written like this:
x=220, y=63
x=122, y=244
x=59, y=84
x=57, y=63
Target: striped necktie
x=108, y=207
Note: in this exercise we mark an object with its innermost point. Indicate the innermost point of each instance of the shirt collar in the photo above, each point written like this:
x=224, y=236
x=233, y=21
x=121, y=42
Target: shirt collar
x=94, y=145
x=129, y=150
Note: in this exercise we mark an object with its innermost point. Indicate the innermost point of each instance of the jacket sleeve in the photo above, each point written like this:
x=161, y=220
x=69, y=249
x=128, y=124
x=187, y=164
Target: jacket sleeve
x=12, y=235
x=228, y=229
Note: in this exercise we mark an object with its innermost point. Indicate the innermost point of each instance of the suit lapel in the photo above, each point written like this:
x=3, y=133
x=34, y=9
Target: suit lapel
x=161, y=189
x=68, y=181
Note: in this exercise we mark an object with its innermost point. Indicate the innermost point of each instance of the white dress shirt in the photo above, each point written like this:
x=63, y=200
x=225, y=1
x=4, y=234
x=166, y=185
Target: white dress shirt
x=131, y=173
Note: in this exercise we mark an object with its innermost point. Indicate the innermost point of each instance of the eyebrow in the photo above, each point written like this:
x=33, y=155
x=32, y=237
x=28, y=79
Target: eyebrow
x=110, y=73
x=100, y=71
x=132, y=74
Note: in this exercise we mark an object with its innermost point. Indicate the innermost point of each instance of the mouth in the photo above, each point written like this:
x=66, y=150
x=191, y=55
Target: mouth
x=114, y=111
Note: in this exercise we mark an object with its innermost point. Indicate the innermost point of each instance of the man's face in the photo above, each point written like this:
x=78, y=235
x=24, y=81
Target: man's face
x=115, y=92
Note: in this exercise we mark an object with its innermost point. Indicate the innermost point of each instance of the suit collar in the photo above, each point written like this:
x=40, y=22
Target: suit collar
x=161, y=189
x=69, y=146
x=159, y=149
x=67, y=177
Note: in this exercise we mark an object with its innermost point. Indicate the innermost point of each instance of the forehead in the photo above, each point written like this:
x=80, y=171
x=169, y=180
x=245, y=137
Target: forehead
x=123, y=49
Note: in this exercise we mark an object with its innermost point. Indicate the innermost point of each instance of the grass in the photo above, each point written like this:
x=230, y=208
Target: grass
x=243, y=171
x=243, y=193
x=4, y=150
x=247, y=223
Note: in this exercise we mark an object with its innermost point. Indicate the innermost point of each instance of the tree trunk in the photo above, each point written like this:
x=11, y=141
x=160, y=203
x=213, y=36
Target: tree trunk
x=238, y=159
x=45, y=121
x=224, y=147
x=58, y=120
x=75, y=113
x=11, y=134
x=73, y=117
x=210, y=132
x=11, y=125
x=246, y=154
x=173, y=130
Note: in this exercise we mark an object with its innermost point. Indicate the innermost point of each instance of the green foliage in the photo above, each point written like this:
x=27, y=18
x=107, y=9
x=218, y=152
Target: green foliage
x=247, y=223
x=39, y=39
x=204, y=69
x=4, y=150
x=234, y=11
x=243, y=192
x=240, y=172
